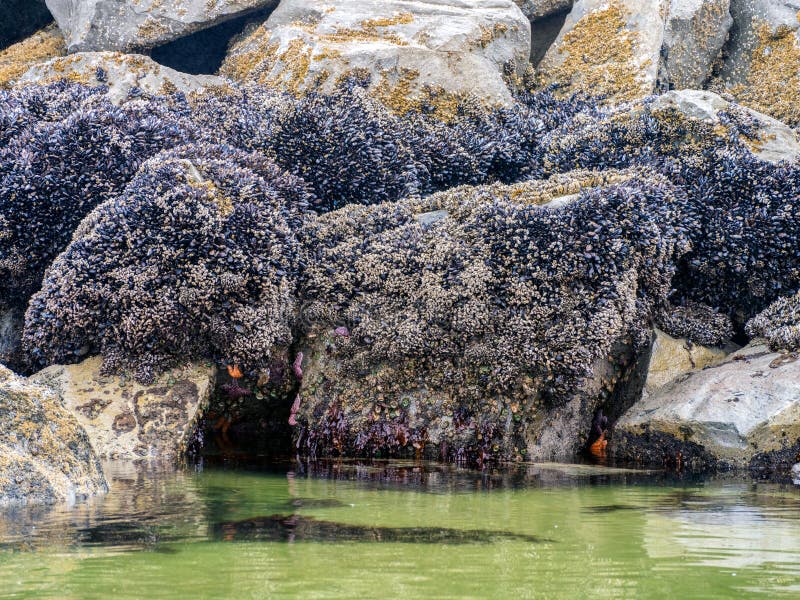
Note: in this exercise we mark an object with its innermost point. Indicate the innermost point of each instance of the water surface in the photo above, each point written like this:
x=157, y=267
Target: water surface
x=400, y=529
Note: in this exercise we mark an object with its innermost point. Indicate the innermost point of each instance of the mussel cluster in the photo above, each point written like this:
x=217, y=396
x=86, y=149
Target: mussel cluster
x=244, y=224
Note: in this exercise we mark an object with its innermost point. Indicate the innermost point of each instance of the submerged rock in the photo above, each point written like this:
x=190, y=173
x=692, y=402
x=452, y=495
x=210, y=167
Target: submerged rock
x=45, y=455
x=414, y=52
x=126, y=25
x=127, y=420
x=733, y=414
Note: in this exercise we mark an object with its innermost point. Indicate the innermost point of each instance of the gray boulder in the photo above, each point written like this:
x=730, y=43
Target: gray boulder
x=45, y=455
x=761, y=68
x=537, y=9
x=776, y=141
x=126, y=25
x=608, y=48
x=449, y=47
x=694, y=35
x=735, y=414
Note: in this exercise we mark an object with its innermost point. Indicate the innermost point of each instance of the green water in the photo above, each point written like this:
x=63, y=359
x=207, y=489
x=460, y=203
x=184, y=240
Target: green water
x=399, y=530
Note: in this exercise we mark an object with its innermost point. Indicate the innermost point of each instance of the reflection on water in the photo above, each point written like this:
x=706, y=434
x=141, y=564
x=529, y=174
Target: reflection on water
x=420, y=530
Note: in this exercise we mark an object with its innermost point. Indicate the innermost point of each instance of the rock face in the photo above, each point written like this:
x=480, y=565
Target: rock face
x=40, y=47
x=763, y=65
x=452, y=47
x=536, y=9
x=45, y=455
x=21, y=18
x=126, y=25
x=671, y=359
x=775, y=141
x=609, y=48
x=122, y=73
x=738, y=413
x=695, y=33
x=125, y=420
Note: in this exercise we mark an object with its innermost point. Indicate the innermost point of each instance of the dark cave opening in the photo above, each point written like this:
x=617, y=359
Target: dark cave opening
x=20, y=19
x=544, y=32
x=247, y=418
x=203, y=52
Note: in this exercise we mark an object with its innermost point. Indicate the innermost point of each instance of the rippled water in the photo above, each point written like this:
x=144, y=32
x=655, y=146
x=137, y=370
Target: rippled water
x=396, y=529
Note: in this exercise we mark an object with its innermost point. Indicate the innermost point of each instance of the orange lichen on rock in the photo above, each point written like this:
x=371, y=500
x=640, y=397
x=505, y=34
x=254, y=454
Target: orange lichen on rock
x=773, y=81
x=17, y=59
x=599, y=58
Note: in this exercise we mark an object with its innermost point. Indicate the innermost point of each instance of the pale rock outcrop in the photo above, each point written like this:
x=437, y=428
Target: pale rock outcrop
x=126, y=25
x=776, y=141
x=126, y=420
x=731, y=414
x=122, y=73
x=695, y=32
x=608, y=47
x=448, y=46
x=45, y=455
x=672, y=359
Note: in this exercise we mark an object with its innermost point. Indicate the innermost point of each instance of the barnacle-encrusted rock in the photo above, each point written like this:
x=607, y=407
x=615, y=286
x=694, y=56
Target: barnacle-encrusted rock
x=730, y=414
x=126, y=25
x=40, y=47
x=45, y=455
x=198, y=258
x=608, y=48
x=779, y=323
x=126, y=420
x=66, y=150
x=21, y=18
x=762, y=68
x=416, y=52
x=478, y=332
x=121, y=73
x=694, y=35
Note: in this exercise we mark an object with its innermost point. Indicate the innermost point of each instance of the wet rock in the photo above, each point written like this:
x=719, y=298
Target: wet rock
x=695, y=33
x=761, y=68
x=725, y=415
x=21, y=18
x=125, y=75
x=608, y=48
x=773, y=142
x=126, y=25
x=795, y=472
x=671, y=359
x=40, y=47
x=411, y=50
x=126, y=420
x=11, y=322
x=45, y=455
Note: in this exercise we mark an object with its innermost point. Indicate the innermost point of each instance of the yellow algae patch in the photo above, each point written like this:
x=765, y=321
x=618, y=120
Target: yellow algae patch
x=773, y=82
x=40, y=47
x=598, y=57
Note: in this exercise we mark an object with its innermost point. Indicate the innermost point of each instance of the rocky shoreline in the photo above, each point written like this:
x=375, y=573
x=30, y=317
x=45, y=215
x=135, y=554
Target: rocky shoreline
x=388, y=228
